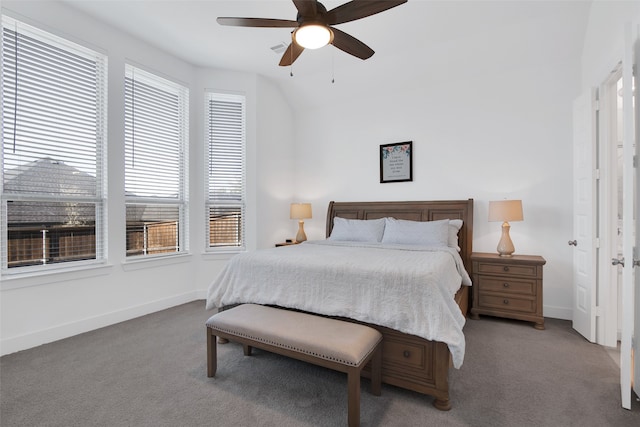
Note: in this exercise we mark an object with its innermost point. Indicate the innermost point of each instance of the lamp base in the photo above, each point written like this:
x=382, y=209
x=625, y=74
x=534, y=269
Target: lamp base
x=301, y=237
x=505, y=245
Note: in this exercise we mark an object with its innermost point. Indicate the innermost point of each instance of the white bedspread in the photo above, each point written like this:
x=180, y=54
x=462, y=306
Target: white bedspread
x=407, y=288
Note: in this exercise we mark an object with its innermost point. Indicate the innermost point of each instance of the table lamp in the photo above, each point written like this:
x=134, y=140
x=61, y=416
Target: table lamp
x=300, y=211
x=505, y=211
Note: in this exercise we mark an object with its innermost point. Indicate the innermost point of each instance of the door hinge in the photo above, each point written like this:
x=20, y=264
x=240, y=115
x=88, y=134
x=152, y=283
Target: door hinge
x=597, y=242
x=596, y=173
x=597, y=105
x=635, y=161
x=597, y=311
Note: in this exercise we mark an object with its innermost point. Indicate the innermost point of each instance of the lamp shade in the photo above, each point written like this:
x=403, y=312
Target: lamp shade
x=505, y=210
x=313, y=36
x=300, y=210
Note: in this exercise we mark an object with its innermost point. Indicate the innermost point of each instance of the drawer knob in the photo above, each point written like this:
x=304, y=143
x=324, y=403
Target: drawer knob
x=506, y=285
x=406, y=353
x=505, y=268
x=505, y=301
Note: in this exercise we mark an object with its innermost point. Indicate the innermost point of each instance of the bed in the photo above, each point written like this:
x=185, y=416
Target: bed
x=419, y=345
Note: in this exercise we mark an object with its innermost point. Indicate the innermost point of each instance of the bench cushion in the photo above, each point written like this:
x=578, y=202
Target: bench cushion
x=344, y=342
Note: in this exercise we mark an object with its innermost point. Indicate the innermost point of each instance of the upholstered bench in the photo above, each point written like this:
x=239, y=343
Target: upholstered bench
x=335, y=344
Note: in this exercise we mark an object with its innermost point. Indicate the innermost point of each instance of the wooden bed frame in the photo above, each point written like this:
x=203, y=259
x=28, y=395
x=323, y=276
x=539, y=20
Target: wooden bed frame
x=409, y=361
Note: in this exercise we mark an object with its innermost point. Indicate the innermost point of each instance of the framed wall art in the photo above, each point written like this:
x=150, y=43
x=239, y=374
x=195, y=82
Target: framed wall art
x=396, y=162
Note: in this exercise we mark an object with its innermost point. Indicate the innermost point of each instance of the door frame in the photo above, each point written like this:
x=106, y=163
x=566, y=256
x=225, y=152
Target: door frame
x=608, y=322
x=629, y=311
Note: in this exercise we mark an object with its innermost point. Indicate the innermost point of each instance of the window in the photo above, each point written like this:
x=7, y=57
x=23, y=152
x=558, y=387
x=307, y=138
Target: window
x=156, y=141
x=53, y=147
x=225, y=167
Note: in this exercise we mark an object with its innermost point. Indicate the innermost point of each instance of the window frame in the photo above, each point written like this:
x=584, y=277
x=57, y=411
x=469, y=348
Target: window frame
x=181, y=199
x=99, y=196
x=213, y=202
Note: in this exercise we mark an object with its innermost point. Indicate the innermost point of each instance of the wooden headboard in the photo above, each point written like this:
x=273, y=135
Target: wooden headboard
x=413, y=211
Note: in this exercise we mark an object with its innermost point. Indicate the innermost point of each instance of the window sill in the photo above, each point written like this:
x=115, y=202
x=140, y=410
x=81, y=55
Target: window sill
x=38, y=278
x=141, y=262
x=220, y=255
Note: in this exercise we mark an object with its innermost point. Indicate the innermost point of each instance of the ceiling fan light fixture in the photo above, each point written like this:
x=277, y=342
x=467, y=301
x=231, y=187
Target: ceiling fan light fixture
x=313, y=36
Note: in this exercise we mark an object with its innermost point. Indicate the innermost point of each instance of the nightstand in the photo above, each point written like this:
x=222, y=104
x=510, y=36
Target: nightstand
x=286, y=244
x=508, y=287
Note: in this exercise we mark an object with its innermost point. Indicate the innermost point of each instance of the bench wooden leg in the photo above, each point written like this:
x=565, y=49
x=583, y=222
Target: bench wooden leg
x=247, y=349
x=353, y=392
x=212, y=356
x=376, y=371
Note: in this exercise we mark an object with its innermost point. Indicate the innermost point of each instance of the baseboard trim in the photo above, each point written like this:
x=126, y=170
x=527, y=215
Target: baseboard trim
x=44, y=336
x=562, y=313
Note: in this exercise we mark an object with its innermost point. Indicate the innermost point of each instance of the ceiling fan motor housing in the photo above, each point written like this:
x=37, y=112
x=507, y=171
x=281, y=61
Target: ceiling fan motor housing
x=321, y=11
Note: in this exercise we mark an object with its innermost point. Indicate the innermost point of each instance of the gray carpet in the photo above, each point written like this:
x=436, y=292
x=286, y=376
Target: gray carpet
x=151, y=371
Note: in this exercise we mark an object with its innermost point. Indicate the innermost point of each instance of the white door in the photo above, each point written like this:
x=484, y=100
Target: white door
x=584, y=218
x=629, y=221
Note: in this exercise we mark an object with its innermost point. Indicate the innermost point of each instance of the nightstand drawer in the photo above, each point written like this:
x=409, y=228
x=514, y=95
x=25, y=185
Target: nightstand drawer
x=503, y=302
x=506, y=285
x=507, y=269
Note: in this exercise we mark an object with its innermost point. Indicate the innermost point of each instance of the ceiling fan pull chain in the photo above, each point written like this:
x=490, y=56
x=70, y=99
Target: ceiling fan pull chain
x=291, y=53
x=333, y=67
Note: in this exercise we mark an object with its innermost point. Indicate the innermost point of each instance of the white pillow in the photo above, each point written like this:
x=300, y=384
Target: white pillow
x=423, y=233
x=357, y=230
x=454, y=226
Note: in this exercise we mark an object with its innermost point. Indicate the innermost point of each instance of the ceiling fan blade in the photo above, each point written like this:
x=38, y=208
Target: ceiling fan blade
x=291, y=54
x=307, y=8
x=258, y=22
x=357, y=9
x=350, y=44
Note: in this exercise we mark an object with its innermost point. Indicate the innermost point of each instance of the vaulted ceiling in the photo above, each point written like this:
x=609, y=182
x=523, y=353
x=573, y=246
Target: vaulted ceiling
x=410, y=41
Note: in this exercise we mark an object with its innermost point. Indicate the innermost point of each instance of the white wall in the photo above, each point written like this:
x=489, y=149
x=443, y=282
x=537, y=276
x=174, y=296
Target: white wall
x=603, y=41
x=40, y=309
x=275, y=166
x=492, y=120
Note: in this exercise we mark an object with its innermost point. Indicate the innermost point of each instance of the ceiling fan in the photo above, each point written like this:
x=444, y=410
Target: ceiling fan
x=314, y=26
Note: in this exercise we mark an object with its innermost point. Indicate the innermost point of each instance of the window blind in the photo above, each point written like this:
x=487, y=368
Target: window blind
x=226, y=158
x=53, y=145
x=156, y=141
